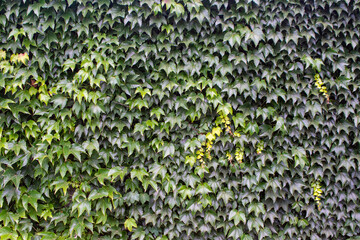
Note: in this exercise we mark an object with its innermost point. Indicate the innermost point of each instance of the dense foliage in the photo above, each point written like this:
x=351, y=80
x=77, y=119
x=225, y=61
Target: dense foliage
x=180, y=119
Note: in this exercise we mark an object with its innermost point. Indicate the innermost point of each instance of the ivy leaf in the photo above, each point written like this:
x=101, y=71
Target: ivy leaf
x=177, y=8
x=303, y=223
x=76, y=151
x=2, y=54
x=235, y=232
x=157, y=169
x=16, y=33
x=70, y=63
x=117, y=171
x=257, y=208
x=143, y=92
x=47, y=235
x=102, y=174
x=251, y=128
x=23, y=57
x=259, y=84
x=237, y=216
x=139, y=174
x=192, y=144
x=246, y=237
x=299, y=155
x=130, y=223
x=4, y=103
x=185, y=192
x=132, y=145
x=59, y=101
x=317, y=63
x=256, y=36
x=8, y=233
x=48, y=39
x=239, y=120
x=210, y=137
x=76, y=226
x=168, y=150
x=225, y=109
x=191, y=160
x=203, y=189
x=157, y=112
x=225, y=195
x=232, y=38
x=139, y=127
x=97, y=194
x=147, y=182
x=216, y=131
x=82, y=206
x=138, y=103
x=280, y=124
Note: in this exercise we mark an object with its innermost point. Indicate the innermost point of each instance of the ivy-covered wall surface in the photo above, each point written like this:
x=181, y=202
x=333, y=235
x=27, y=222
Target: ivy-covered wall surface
x=180, y=119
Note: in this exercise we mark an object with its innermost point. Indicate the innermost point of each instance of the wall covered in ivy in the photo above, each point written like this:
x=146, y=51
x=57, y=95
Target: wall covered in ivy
x=179, y=119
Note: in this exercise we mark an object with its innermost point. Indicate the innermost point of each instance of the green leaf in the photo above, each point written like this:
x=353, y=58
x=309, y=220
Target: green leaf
x=225, y=109
x=8, y=233
x=139, y=174
x=251, y=128
x=203, y=188
x=117, y=172
x=47, y=235
x=16, y=33
x=232, y=38
x=237, y=216
x=130, y=223
x=61, y=184
x=303, y=223
x=280, y=125
x=76, y=151
x=191, y=160
x=59, y=101
x=177, y=8
x=256, y=36
x=4, y=103
x=96, y=194
x=157, y=169
x=70, y=63
x=77, y=226
x=102, y=174
x=168, y=150
x=147, y=182
x=317, y=64
x=257, y=208
x=157, y=112
x=246, y=237
x=185, y=192
x=82, y=206
x=299, y=155
x=225, y=195
x=48, y=39
x=138, y=103
x=235, y=232
x=139, y=127
x=239, y=120
x=143, y=92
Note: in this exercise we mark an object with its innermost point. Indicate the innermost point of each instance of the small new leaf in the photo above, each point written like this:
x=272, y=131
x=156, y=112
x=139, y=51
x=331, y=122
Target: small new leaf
x=130, y=224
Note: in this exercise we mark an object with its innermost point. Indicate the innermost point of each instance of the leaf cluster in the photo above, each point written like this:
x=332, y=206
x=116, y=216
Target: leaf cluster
x=104, y=103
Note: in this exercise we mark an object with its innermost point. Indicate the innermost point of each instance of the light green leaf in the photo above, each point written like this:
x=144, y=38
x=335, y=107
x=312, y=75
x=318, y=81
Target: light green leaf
x=237, y=216
x=139, y=174
x=130, y=223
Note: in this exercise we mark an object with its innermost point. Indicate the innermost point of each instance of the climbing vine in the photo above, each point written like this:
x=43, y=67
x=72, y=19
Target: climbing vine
x=322, y=89
x=179, y=119
x=317, y=192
